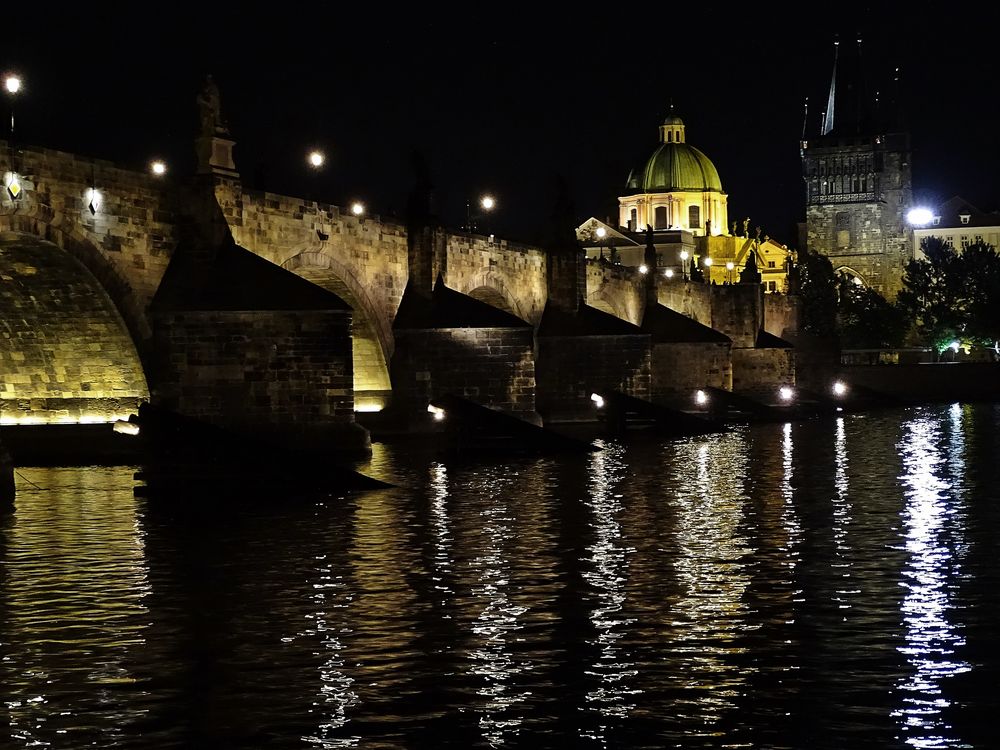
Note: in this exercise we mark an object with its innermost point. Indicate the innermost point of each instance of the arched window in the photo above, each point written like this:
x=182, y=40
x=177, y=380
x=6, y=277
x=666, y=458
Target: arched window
x=660, y=217
x=694, y=217
x=633, y=219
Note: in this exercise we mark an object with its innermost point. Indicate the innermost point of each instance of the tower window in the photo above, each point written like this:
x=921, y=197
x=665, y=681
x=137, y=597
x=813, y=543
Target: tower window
x=633, y=219
x=694, y=217
x=660, y=217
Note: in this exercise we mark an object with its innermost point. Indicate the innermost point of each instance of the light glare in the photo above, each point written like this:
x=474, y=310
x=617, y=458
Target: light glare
x=437, y=411
x=701, y=398
x=786, y=393
x=919, y=216
x=12, y=84
x=598, y=400
x=643, y=268
x=316, y=159
x=158, y=168
x=669, y=273
x=488, y=202
x=839, y=388
x=601, y=232
x=358, y=208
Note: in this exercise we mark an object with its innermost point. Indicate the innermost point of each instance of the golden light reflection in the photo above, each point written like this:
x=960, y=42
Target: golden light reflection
x=713, y=560
x=75, y=583
x=932, y=528
x=789, y=516
x=608, y=557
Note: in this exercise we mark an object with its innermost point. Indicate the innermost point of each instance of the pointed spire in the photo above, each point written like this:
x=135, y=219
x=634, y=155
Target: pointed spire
x=828, y=116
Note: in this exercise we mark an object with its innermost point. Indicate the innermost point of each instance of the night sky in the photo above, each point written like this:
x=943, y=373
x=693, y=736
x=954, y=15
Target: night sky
x=502, y=97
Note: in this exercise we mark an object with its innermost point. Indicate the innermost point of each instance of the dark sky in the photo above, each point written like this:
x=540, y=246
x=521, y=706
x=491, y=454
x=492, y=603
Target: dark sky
x=501, y=97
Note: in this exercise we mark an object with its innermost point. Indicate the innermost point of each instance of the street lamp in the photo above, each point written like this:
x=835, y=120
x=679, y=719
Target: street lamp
x=12, y=85
x=358, y=208
x=158, y=168
x=486, y=204
x=684, y=264
x=601, y=234
x=316, y=159
x=729, y=271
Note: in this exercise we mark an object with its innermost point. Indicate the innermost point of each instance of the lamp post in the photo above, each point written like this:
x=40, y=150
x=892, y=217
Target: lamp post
x=601, y=234
x=729, y=271
x=684, y=262
x=12, y=85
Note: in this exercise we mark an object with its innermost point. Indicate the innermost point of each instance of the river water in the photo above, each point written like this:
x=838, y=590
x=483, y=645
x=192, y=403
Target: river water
x=831, y=583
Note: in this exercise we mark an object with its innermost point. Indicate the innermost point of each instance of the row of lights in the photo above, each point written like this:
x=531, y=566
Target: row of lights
x=316, y=159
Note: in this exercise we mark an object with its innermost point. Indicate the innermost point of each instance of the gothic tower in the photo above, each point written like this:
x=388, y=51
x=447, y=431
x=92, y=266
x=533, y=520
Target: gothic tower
x=858, y=178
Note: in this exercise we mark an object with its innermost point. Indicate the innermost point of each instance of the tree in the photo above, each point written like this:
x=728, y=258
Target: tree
x=816, y=285
x=866, y=319
x=953, y=296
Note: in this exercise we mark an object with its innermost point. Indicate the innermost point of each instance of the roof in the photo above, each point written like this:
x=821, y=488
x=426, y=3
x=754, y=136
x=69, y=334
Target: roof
x=587, y=321
x=675, y=166
x=767, y=340
x=237, y=279
x=671, y=327
x=447, y=308
x=951, y=211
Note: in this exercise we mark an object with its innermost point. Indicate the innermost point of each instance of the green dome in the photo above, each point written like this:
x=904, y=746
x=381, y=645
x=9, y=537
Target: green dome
x=674, y=167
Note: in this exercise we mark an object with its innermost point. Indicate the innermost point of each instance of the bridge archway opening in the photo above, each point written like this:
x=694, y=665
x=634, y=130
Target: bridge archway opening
x=854, y=276
x=67, y=355
x=492, y=297
x=372, y=387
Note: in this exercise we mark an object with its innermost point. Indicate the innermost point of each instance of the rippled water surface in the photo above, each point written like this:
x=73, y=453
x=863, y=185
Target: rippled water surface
x=824, y=584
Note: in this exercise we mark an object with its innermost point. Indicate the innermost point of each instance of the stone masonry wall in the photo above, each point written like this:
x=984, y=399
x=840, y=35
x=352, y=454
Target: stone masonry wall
x=125, y=243
x=280, y=373
x=781, y=314
x=494, y=367
x=65, y=353
x=678, y=370
x=762, y=371
x=569, y=369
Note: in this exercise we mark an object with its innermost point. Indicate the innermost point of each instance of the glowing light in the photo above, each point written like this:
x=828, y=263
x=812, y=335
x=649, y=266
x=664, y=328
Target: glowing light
x=316, y=159
x=13, y=185
x=858, y=281
x=369, y=405
x=358, y=208
x=839, y=388
x=123, y=427
x=598, y=400
x=700, y=398
x=669, y=273
x=488, y=202
x=684, y=255
x=601, y=233
x=730, y=265
x=643, y=268
x=437, y=411
x=785, y=393
x=93, y=198
x=707, y=261
x=954, y=346
x=158, y=168
x=12, y=84
x=919, y=216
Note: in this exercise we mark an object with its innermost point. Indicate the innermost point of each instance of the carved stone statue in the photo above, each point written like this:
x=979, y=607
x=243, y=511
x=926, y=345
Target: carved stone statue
x=210, y=110
x=746, y=227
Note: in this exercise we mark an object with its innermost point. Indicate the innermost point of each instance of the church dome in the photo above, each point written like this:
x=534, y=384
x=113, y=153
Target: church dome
x=675, y=165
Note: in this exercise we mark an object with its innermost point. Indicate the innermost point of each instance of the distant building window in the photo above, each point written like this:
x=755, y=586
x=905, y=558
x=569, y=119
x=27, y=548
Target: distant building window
x=633, y=221
x=937, y=220
x=694, y=217
x=660, y=217
x=965, y=218
x=772, y=286
x=963, y=241
x=770, y=264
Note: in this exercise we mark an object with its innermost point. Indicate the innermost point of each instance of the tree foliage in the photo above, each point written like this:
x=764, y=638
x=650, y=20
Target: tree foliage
x=814, y=281
x=866, y=319
x=953, y=295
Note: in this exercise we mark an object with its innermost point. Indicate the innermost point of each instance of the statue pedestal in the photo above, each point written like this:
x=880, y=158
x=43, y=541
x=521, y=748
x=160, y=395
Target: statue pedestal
x=215, y=155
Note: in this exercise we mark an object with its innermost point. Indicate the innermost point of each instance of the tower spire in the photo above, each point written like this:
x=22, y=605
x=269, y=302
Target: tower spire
x=828, y=117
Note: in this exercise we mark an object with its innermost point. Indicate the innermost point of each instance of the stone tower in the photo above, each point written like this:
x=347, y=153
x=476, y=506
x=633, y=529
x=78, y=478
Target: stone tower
x=858, y=180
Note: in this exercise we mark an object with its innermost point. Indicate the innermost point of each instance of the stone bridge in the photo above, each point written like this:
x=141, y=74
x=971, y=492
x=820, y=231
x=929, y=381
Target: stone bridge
x=85, y=244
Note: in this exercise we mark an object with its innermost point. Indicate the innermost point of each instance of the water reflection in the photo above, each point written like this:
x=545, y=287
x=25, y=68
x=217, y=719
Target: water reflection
x=932, y=526
x=499, y=616
x=712, y=564
x=75, y=580
x=607, y=575
x=842, y=513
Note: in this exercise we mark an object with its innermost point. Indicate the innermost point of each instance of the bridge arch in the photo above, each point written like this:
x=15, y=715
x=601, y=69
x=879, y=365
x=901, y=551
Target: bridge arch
x=855, y=276
x=605, y=303
x=488, y=287
x=371, y=333
x=41, y=222
x=66, y=354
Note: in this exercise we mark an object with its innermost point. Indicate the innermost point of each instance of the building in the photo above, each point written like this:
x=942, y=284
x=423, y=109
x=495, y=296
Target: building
x=678, y=191
x=858, y=183
x=959, y=224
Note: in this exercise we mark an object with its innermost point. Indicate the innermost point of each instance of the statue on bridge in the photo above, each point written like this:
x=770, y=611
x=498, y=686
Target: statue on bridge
x=210, y=110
